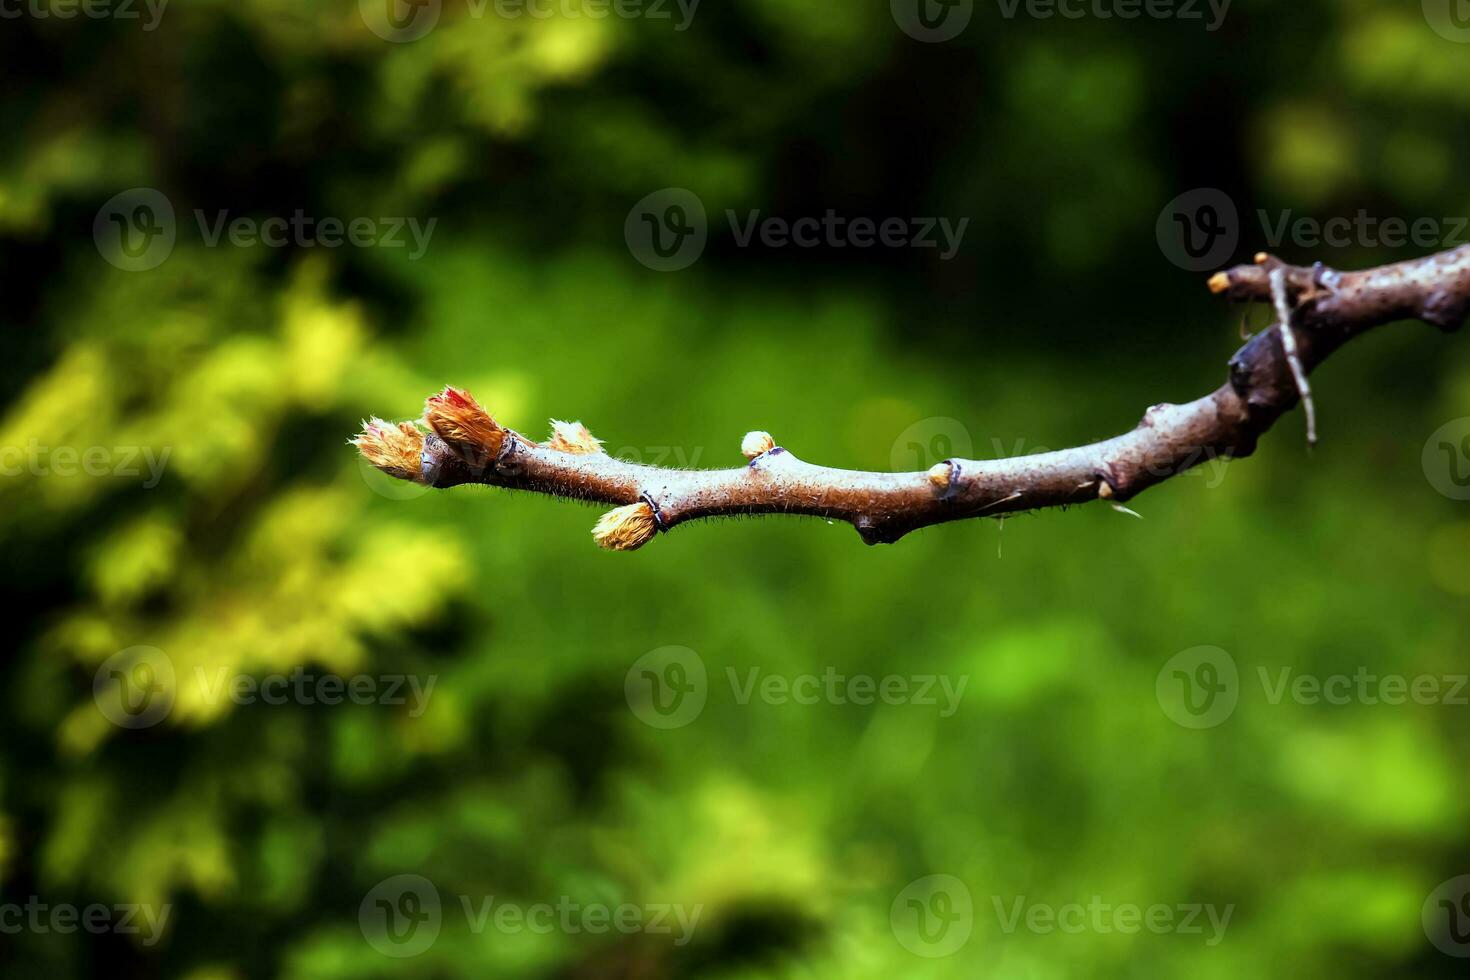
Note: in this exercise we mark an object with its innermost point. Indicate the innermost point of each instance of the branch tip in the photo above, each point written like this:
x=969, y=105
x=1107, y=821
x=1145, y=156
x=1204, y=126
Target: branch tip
x=396, y=449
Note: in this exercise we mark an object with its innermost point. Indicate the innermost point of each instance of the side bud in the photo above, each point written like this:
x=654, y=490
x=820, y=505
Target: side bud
x=461, y=422
x=756, y=444
x=625, y=529
x=573, y=437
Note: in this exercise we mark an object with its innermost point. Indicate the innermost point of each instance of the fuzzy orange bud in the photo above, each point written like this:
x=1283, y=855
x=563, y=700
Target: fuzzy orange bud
x=397, y=450
x=625, y=529
x=573, y=437
x=462, y=423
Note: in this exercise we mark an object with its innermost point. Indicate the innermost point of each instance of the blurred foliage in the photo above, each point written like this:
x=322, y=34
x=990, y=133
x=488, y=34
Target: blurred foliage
x=261, y=545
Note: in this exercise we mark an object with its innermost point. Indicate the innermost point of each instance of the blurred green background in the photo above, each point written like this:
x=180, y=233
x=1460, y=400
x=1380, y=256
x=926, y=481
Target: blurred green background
x=264, y=547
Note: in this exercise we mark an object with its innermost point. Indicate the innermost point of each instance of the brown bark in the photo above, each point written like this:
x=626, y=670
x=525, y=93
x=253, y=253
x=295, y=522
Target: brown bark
x=1327, y=308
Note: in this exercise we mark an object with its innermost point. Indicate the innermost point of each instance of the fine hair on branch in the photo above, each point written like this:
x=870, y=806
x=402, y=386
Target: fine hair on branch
x=1317, y=310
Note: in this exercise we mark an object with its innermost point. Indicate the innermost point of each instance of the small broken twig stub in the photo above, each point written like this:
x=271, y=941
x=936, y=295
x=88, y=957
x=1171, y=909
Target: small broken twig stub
x=1318, y=310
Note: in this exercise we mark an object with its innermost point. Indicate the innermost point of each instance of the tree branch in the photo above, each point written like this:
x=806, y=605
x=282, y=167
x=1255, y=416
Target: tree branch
x=460, y=443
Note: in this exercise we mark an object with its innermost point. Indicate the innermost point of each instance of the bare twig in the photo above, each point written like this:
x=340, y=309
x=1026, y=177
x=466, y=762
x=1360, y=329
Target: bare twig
x=1318, y=308
x=1288, y=347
